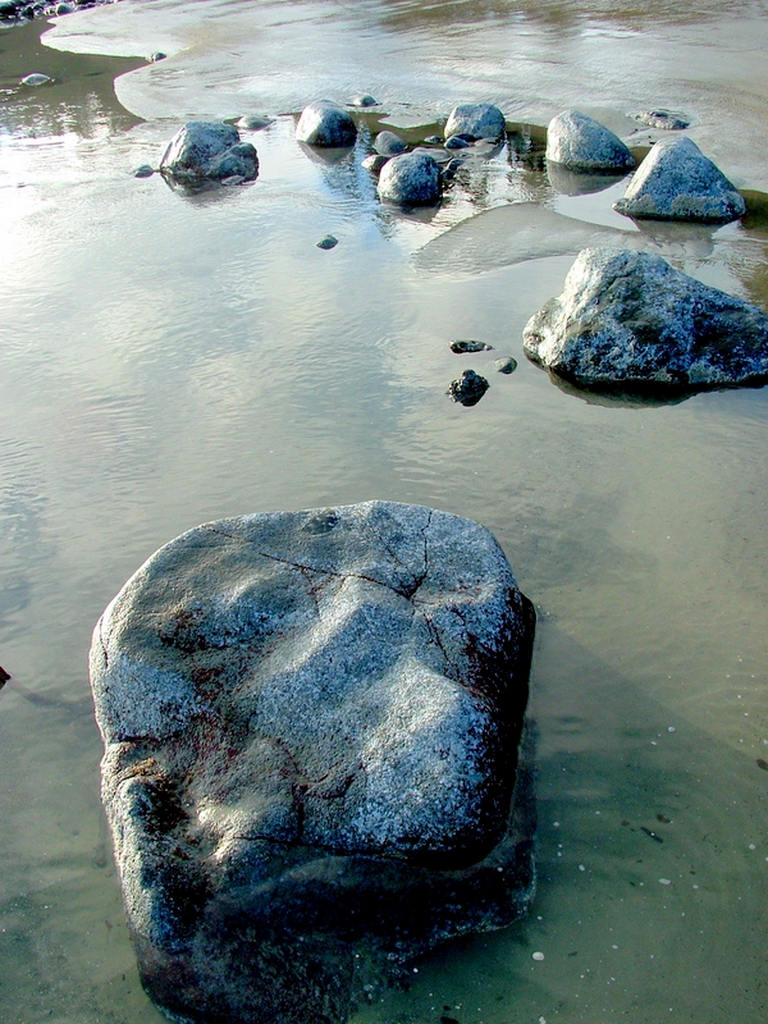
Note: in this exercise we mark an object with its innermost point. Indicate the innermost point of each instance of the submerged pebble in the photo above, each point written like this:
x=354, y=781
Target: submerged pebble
x=35, y=79
x=505, y=364
x=537, y=956
x=329, y=242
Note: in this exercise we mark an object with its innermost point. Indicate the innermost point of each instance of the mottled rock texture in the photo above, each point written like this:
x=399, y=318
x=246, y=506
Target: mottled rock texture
x=677, y=182
x=327, y=124
x=630, y=320
x=581, y=143
x=476, y=121
x=311, y=723
x=208, y=150
x=411, y=179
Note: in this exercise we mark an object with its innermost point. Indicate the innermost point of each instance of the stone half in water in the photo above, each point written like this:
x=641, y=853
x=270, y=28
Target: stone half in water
x=311, y=724
x=628, y=320
x=581, y=143
x=677, y=182
x=468, y=389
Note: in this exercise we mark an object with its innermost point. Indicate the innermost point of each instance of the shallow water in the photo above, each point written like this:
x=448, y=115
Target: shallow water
x=167, y=359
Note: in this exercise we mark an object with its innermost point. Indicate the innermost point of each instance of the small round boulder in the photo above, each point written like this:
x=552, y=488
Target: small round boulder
x=411, y=179
x=326, y=124
x=476, y=121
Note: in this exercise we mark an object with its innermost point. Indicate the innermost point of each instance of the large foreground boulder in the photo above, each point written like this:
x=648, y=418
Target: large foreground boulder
x=476, y=121
x=326, y=124
x=208, y=150
x=311, y=723
x=581, y=143
x=629, y=320
x=677, y=182
x=411, y=179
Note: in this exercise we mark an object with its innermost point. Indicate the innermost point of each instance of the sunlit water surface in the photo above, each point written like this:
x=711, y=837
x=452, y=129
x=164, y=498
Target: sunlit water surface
x=168, y=359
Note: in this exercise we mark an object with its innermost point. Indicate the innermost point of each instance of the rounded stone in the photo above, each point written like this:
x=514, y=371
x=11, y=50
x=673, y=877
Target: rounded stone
x=581, y=143
x=36, y=79
x=254, y=122
x=476, y=121
x=208, y=150
x=326, y=124
x=389, y=144
x=411, y=179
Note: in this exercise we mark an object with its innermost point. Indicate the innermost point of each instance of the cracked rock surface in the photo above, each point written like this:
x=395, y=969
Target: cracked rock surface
x=311, y=723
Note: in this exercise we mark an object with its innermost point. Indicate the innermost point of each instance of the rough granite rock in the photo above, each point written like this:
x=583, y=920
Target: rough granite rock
x=677, y=182
x=580, y=143
x=476, y=121
x=208, y=150
x=411, y=179
x=311, y=723
x=628, y=319
x=327, y=124
x=467, y=389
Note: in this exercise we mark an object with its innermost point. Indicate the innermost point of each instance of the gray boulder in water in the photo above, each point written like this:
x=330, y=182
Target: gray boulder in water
x=677, y=182
x=311, y=723
x=326, y=124
x=208, y=150
x=581, y=143
x=629, y=320
x=411, y=179
x=476, y=121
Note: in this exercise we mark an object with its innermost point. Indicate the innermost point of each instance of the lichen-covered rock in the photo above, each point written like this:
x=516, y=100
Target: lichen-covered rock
x=411, y=179
x=310, y=723
x=677, y=182
x=208, y=150
x=629, y=320
x=476, y=121
x=326, y=124
x=581, y=143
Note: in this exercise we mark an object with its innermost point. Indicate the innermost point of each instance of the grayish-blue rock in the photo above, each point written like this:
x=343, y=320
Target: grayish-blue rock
x=476, y=121
x=411, y=179
x=325, y=123
x=629, y=320
x=389, y=144
x=35, y=79
x=311, y=723
x=581, y=143
x=677, y=182
x=254, y=122
x=208, y=150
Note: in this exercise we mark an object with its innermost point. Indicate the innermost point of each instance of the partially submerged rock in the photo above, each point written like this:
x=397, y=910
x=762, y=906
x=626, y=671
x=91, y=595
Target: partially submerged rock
x=467, y=389
x=476, y=121
x=310, y=723
x=389, y=144
x=581, y=143
x=663, y=119
x=411, y=179
x=462, y=345
x=629, y=320
x=255, y=122
x=677, y=182
x=326, y=124
x=208, y=150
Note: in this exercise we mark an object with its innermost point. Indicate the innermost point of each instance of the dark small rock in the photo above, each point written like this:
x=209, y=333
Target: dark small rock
x=326, y=124
x=255, y=122
x=363, y=100
x=4, y=677
x=388, y=144
x=144, y=171
x=762, y=763
x=505, y=364
x=329, y=242
x=456, y=142
x=462, y=345
x=468, y=389
x=153, y=58
x=433, y=140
